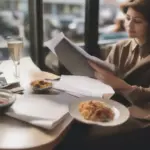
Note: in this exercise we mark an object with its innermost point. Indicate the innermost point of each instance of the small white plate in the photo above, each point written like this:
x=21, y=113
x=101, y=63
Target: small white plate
x=121, y=112
x=41, y=89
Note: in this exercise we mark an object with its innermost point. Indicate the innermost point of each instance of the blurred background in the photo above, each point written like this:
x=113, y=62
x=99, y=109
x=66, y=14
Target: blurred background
x=61, y=15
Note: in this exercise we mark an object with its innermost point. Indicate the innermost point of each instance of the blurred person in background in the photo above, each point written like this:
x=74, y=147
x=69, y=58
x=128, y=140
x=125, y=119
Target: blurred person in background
x=8, y=24
x=119, y=26
x=119, y=23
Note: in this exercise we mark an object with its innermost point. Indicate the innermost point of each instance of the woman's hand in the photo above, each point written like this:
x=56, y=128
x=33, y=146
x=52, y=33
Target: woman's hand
x=108, y=78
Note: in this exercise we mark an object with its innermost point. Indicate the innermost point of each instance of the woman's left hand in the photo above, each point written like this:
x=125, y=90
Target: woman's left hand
x=108, y=78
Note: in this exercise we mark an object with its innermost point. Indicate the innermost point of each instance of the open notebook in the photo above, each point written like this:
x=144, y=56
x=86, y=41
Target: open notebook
x=75, y=58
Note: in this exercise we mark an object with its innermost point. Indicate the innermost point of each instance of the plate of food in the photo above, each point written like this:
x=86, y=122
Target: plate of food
x=41, y=85
x=7, y=98
x=99, y=111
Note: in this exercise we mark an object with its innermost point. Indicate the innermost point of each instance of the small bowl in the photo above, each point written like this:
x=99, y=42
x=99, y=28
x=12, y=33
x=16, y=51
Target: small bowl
x=36, y=83
x=7, y=98
x=41, y=89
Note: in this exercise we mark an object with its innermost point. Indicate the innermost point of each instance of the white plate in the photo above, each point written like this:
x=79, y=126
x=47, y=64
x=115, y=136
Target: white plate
x=121, y=112
x=42, y=89
x=6, y=95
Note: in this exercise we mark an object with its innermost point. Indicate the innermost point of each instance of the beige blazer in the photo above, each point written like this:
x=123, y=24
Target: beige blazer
x=132, y=64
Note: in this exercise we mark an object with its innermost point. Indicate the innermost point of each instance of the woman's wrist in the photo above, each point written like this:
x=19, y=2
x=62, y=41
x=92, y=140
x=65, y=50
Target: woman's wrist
x=127, y=90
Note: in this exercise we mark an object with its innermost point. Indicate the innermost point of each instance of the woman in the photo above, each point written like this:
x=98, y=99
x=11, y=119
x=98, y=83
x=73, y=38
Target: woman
x=131, y=57
x=132, y=60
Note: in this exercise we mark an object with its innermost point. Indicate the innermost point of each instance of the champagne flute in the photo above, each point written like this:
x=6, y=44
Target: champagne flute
x=15, y=44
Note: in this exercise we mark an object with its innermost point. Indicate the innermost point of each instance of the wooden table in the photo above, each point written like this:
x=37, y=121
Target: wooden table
x=18, y=135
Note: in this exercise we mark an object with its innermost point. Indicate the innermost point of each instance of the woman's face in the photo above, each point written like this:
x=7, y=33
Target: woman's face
x=135, y=24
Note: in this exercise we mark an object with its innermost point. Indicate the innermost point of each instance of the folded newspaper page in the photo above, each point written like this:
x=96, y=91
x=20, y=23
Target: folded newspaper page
x=75, y=58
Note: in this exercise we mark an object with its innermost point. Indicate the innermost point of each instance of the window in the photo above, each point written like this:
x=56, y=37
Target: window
x=64, y=16
x=111, y=22
x=13, y=14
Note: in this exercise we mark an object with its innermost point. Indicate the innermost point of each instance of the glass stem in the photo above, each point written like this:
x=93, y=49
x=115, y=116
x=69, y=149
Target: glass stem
x=17, y=70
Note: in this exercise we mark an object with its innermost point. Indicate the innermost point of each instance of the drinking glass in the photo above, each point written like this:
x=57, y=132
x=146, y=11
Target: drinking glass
x=15, y=45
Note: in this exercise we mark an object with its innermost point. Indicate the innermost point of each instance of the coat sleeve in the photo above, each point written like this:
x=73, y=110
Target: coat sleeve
x=110, y=58
x=138, y=96
x=114, y=58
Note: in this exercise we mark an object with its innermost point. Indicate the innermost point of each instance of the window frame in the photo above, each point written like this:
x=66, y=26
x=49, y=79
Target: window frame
x=36, y=29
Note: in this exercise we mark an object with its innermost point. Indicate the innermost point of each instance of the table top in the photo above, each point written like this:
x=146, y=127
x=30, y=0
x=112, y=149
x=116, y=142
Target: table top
x=15, y=134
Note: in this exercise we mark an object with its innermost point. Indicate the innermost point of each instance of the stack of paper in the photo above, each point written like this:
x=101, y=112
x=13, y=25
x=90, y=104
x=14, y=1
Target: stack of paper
x=40, y=110
x=82, y=86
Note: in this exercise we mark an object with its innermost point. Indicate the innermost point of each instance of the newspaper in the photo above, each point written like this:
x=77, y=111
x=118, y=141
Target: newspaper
x=74, y=58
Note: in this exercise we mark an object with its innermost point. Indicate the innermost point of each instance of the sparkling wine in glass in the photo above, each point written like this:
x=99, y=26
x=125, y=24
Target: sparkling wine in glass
x=15, y=45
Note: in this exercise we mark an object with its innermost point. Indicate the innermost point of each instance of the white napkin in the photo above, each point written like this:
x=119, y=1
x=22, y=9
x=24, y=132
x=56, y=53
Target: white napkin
x=39, y=110
x=82, y=86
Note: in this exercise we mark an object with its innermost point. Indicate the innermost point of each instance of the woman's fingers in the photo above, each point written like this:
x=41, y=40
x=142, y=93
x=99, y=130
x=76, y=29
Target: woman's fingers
x=99, y=76
x=97, y=68
x=94, y=66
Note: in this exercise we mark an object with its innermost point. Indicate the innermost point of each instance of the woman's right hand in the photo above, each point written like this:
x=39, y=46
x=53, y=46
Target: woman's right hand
x=108, y=78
